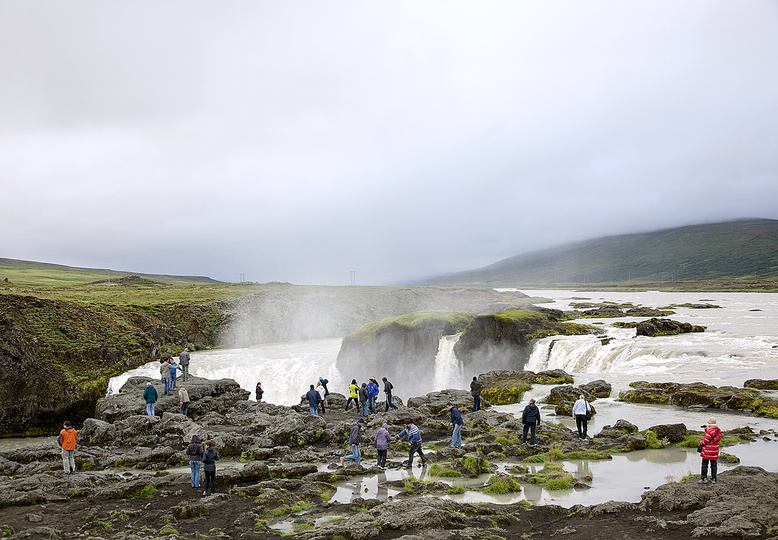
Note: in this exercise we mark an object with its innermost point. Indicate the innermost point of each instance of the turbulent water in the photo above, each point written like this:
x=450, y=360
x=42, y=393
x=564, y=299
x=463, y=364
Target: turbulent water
x=741, y=342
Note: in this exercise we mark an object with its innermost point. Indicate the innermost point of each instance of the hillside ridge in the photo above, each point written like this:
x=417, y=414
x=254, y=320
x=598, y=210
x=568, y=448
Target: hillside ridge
x=742, y=249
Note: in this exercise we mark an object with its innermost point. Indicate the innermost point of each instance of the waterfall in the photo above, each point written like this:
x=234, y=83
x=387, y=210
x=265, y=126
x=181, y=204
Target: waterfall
x=449, y=372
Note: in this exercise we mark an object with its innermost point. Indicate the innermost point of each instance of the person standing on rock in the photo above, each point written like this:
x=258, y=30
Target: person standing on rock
x=164, y=372
x=353, y=394
x=581, y=412
x=150, y=395
x=324, y=382
x=313, y=398
x=183, y=361
x=530, y=417
x=363, y=399
x=183, y=400
x=382, y=440
x=710, y=451
x=457, y=423
x=414, y=438
x=194, y=453
x=259, y=393
x=354, y=441
x=173, y=372
x=372, y=394
x=388, y=387
x=67, y=442
x=322, y=395
x=210, y=456
x=475, y=390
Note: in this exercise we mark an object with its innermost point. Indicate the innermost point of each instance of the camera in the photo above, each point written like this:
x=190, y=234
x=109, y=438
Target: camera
x=704, y=426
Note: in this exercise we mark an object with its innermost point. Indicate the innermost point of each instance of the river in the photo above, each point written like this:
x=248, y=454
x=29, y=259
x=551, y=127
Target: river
x=741, y=342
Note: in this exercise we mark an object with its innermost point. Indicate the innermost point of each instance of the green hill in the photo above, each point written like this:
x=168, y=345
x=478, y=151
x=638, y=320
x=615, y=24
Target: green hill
x=735, y=250
x=31, y=273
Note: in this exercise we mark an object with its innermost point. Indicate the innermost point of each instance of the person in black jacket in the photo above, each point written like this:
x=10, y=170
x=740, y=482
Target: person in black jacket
x=388, y=387
x=475, y=390
x=210, y=456
x=530, y=418
x=259, y=393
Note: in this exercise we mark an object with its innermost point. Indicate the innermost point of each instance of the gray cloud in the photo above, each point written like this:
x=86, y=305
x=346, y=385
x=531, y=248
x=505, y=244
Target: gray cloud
x=299, y=141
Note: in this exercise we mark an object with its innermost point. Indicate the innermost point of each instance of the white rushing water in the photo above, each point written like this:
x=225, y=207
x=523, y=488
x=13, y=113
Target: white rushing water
x=449, y=371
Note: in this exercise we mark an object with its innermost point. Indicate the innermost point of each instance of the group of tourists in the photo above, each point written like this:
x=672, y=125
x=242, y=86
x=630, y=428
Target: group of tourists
x=382, y=440
x=365, y=396
x=168, y=370
x=205, y=455
x=317, y=396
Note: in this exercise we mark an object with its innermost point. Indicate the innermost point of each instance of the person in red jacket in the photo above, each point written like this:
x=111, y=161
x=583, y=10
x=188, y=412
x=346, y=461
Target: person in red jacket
x=710, y=451
x=67, y=441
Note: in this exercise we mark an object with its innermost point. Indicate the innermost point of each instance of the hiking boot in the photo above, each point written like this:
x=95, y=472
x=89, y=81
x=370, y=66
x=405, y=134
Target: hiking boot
x=702, y=481
x=712, y=480
x=342, y=463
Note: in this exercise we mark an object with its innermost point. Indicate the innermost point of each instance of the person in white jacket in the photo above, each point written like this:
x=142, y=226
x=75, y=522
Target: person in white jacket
x=581, y=412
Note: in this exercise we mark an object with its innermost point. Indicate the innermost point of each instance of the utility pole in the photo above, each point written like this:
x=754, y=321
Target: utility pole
x=353, y=277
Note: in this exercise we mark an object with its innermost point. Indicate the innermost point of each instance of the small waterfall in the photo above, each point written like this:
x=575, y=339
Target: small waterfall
x=449, y=372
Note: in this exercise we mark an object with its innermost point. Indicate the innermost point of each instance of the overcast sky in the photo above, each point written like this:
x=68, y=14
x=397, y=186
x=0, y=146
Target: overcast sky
x=301, y=141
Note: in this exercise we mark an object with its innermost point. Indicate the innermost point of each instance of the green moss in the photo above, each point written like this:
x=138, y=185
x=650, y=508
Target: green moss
x=502, y=486
x=443, y=472
x=470, y=465
x=556, y=484
x=144, y=491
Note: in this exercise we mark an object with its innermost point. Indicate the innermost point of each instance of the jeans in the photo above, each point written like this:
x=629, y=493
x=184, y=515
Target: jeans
x=581, y=423
x=416, y=448
x=389, y=402
x=167, y=386
x=185, y=372
x=714, y=464
x=172, y=379
x=382, y=458
x=371, y=404
x=314, y=410
x=69, y=461
x=456, y=436
x=476, y=403
x=185, y=408
x=356, y=455
x=363, y=404
x=194, y=468
x=531, y=429
x=150, y=409
x=210, y=480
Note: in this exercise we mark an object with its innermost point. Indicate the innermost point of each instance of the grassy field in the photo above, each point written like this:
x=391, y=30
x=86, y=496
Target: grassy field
x=36, y=274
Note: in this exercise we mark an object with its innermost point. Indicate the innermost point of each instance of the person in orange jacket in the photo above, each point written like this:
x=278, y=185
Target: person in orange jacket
x=67, y=441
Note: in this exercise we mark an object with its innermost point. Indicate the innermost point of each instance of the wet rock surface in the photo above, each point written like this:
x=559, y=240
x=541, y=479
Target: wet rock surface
x=132, y=480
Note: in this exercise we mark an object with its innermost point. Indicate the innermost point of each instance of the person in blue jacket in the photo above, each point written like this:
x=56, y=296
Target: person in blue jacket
x=372, y=394
x=313, y=398
x=414, y=437
x=457, y=422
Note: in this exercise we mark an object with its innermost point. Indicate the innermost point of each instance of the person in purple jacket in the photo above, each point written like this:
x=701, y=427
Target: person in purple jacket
x=382, y=440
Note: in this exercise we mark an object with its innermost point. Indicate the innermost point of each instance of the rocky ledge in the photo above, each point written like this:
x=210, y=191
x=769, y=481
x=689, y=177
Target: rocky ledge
x=282, y=466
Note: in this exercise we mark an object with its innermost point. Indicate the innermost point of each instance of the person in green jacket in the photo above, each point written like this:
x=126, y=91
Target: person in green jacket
x=150, y=395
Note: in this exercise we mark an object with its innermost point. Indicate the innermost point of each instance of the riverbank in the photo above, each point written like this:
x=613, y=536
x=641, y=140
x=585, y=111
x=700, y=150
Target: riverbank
x=280, y=472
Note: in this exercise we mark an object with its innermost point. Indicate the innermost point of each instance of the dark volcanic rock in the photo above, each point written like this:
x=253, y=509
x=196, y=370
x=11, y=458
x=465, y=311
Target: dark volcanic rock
x=505, y=340
x=665, y=327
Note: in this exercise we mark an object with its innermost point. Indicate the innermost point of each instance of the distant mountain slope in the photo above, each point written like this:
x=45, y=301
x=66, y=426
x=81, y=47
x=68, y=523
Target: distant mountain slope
x=746, y=249
x=38, y=273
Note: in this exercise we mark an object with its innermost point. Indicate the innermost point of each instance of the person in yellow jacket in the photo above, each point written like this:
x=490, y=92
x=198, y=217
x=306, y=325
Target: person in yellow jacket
x=353, y=394
x=67, y=441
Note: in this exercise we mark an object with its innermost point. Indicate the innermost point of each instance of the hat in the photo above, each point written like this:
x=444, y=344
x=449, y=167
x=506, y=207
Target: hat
x=361, y=421
x=321, y=378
